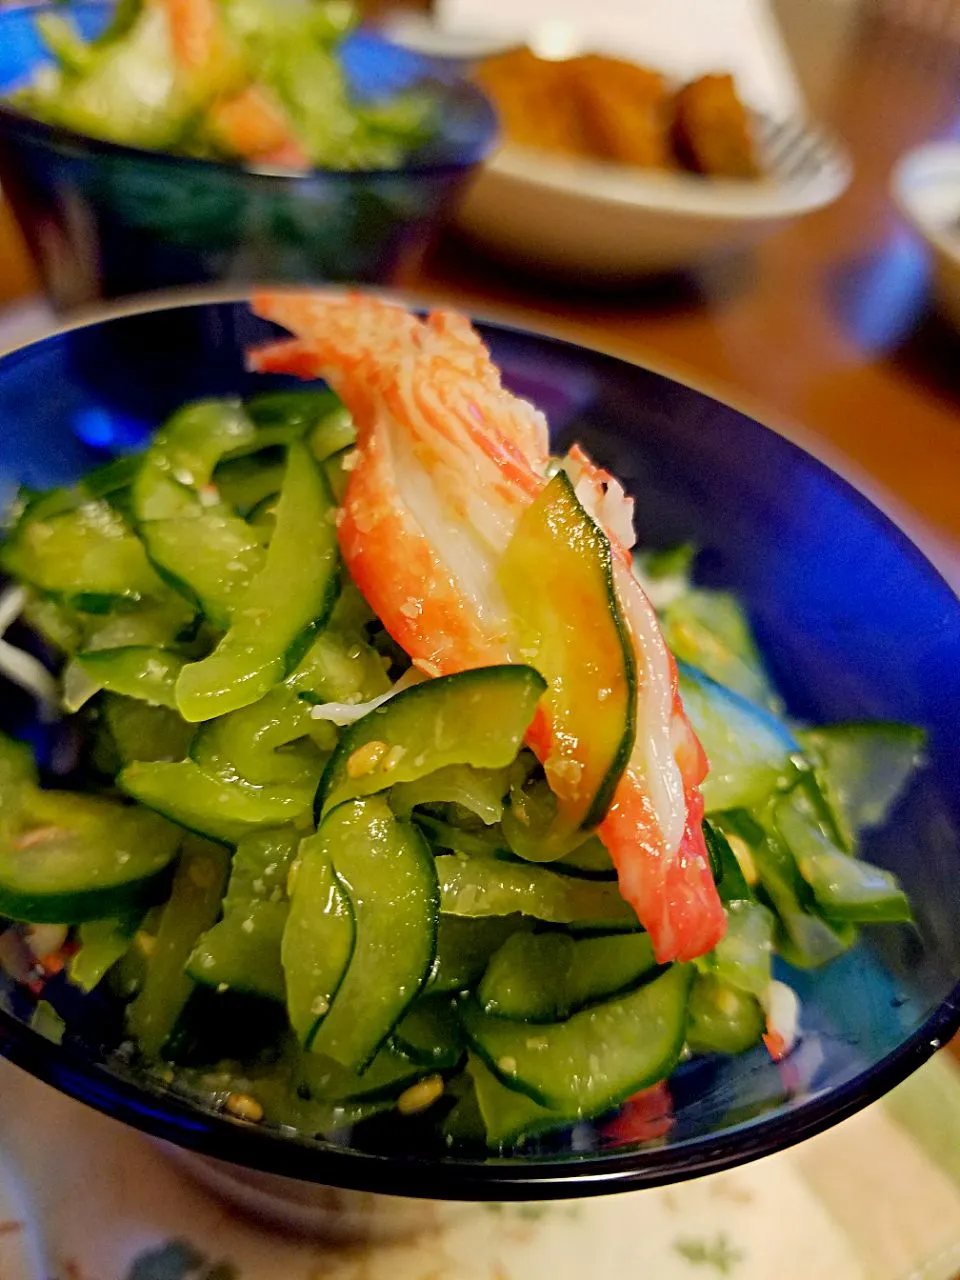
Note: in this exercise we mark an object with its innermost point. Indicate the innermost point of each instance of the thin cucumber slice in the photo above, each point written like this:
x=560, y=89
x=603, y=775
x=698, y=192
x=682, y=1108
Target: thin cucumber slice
x=293, y=593
x=388, y=876
x=137, y=671
x=750, y=752
x=845, y=888
x=803, y=938
x=557, y=575
x=508, y=1116
x=141, y=732
x=102, y=944
x=242, y=952
x=193, y=906
x=464, y=948
x=546, y=977
x=324, y=1080
x=480, y=791
x=210, y=558
x=430, y=1034
x=592, y=1061
x=491, y=887
x=721, y=1018
x=744, y=955
x=862, y=770
x=183, y=454
x=296, y=412
x=224, y=811
x=448, y=837
x=83, y=555
x=245, y=482
x=731, y=883
x=588, y=859
x=478, y=717
x=71, y=858
x=18, y=779
x=318, y=938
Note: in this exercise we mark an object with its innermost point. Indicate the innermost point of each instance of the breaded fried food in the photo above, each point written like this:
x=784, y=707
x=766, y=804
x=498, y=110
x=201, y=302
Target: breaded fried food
x=626, y=110
x=712, y=131
x=533, y=100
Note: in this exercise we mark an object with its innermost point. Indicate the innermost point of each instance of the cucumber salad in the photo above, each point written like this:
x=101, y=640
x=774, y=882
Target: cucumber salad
x=327, y=866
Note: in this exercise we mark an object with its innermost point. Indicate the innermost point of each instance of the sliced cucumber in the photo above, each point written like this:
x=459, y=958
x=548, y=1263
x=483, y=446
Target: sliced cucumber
x=86, y=556
x=141, y=732
x=743, y=957
x=318, y=938
x=478, y=717
x=194, y=902
x=862, y=769
x=845, y=888
x=221, y=810
x=557, y=575
x=242, y=952
x=137, y=671
x=491, y=887
x=508, y=1116
x=324, y=1080
x=430, y=1034
x=388, y=876
x=183, y=454
x=296, y=413
x=750, y=751
x=480, y=791
x=102, y=944
x=293, y=593
x=210, y=558
x=588, y=859
x=68, y=858
x=546, y=977
x=592, y=1061
x=245, y=482
x=464, y=948
x=803, y=937
x=721, y=1018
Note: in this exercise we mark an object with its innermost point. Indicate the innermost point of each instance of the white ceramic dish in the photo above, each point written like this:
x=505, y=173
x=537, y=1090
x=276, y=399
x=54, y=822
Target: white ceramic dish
x=926, y=188
x=599, y=221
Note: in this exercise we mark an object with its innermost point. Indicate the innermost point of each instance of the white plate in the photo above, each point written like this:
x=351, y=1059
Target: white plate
x=591, y=219
x=926, y=187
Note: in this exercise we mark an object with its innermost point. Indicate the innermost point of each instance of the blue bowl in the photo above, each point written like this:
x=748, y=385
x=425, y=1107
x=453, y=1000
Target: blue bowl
x=104, y=220
x=855, y=624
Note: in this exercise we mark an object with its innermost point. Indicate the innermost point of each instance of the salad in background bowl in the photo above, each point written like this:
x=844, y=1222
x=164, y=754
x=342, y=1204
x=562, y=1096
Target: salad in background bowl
x=378, y=845
x=149, y=145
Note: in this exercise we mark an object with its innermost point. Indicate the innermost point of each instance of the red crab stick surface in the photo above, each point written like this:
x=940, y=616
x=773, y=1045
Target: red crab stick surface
x=446, y=462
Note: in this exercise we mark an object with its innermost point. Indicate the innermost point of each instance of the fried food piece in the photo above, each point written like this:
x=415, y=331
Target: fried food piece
x=626, y=110
x=532, y=97
x=712, y=131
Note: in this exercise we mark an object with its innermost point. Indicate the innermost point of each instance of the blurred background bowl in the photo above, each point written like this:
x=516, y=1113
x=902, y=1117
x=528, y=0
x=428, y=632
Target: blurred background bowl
x=104, y=220
x=926, y=187
x=601, y=221
x=854, y=621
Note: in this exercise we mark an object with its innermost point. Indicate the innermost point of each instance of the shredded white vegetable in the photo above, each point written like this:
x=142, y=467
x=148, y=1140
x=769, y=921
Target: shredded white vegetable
x=781, y=1004
x=343, y=713
x=23, y=668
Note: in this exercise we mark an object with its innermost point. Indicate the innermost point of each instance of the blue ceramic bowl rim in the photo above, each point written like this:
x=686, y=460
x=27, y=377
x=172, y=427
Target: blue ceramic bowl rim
x=164, y=1115
x=487, y=130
